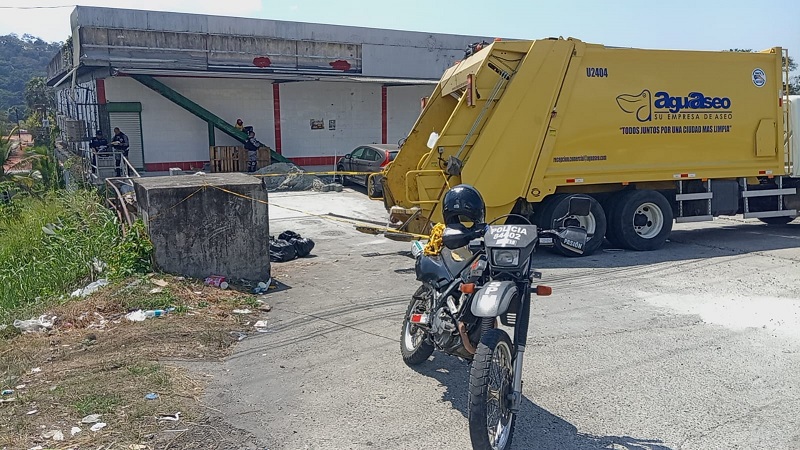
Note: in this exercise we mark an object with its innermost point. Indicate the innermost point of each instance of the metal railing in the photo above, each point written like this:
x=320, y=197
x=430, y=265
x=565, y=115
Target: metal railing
x=108, y=164
x=113, y=170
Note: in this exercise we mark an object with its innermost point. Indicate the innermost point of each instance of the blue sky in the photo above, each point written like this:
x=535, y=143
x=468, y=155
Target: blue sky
x=677, y=24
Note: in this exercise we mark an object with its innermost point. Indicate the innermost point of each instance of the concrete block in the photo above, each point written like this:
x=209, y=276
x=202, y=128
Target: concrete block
x=211, y=232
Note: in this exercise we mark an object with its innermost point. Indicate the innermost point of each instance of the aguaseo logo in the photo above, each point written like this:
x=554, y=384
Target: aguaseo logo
x=643, y=104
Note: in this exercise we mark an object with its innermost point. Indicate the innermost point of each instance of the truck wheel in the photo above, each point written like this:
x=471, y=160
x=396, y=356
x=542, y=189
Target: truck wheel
x=594, y=223
x=641, y=220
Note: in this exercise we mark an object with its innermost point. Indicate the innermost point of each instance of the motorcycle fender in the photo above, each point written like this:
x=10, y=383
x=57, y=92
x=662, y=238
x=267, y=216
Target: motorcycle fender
x=494, y=298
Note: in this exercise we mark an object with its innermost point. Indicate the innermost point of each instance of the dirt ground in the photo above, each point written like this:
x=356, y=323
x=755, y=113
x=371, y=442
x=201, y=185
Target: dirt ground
x=94, y=361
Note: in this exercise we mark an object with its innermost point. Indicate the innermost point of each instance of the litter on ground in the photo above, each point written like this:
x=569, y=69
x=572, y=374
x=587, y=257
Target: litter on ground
x=90, y=288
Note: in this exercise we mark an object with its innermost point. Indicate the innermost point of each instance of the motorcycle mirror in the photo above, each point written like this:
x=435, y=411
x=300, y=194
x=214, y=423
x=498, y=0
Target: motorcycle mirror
x=580, y=206
x=457, y=236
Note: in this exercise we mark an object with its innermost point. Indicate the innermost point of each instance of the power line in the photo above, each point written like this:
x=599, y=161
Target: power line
x=37, y=7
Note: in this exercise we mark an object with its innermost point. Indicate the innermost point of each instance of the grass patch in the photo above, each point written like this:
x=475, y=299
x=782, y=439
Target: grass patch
x=161, y=300
x=58, y=241
x=96, y=404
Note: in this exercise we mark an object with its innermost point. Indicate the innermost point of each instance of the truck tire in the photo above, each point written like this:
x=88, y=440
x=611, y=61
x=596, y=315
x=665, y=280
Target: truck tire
x=595, y=223
x=641, y=220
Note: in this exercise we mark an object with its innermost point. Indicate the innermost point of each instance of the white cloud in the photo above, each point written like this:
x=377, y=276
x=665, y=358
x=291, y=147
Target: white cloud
x=53, y=24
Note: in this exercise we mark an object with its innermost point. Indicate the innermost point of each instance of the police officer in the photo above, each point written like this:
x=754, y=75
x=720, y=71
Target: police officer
x=120, y=144
x=252, y=145
x=98, y=144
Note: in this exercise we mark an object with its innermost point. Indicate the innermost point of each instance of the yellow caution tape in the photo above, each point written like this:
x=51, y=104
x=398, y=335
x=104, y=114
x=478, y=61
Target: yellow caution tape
x=264, y=175
x=370, y=229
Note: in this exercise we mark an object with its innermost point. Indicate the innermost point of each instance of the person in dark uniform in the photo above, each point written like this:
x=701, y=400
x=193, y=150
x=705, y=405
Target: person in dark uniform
x=98, y=144
x=252, y=145
x=120, y=144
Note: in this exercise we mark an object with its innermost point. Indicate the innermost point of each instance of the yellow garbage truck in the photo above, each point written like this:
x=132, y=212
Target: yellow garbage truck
x=652, y=136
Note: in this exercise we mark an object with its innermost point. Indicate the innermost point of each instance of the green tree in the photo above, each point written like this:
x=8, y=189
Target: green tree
x=38, y=95
x=3, y=123
x=41, y=101
x=11, y=176
x=22, y=58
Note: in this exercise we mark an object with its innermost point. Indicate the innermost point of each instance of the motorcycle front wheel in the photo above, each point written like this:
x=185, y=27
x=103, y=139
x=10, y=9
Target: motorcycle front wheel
x=414, y=342
x=491, y=422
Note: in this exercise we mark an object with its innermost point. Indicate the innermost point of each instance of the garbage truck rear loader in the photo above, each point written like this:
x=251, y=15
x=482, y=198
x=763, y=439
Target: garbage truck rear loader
x=652, y=136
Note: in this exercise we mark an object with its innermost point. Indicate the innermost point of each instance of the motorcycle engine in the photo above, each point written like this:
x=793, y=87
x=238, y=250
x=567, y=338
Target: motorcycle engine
x=443, y=329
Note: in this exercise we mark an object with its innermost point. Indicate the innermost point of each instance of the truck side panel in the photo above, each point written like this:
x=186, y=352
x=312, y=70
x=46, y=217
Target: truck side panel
x=505, y=153
x=649, y=115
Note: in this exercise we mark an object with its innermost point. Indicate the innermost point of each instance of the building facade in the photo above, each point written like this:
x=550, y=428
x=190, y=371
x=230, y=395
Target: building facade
x=175, y=83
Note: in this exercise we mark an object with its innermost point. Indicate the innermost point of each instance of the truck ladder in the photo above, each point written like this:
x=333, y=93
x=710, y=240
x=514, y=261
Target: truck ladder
x=780, y=192
x=681, y=197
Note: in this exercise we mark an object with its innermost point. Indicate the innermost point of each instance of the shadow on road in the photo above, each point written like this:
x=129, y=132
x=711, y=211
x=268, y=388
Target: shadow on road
x=685, y=245
x=536, y=427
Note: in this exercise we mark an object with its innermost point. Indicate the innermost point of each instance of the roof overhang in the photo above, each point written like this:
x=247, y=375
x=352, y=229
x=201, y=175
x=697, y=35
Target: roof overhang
x=276, y=75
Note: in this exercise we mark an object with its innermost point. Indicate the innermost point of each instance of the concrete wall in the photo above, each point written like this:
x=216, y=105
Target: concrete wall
x=172, y=134
x=356, y=107
x=232, y=239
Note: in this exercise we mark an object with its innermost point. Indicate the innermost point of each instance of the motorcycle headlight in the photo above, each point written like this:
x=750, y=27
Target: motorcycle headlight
x=505, y=257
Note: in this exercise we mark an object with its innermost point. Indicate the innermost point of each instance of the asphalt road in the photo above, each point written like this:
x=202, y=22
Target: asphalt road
x=695, y=346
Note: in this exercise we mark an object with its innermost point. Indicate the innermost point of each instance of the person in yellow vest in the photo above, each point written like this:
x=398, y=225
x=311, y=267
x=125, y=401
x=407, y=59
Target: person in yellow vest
x=239, y=124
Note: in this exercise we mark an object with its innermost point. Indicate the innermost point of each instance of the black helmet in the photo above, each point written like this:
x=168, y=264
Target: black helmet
x=463, y=203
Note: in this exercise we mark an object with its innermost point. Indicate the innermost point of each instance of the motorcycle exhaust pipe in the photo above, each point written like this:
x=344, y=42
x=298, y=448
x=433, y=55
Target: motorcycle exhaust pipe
x=462, y=331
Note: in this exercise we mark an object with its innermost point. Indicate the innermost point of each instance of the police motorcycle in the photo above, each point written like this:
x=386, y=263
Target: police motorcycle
x=483, y=273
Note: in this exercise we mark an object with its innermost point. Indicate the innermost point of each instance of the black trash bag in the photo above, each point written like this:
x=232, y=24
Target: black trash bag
x=288, y=235
x=281, y=250
x=303, y=246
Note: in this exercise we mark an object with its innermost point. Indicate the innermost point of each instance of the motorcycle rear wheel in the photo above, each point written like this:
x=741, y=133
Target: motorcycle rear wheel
x=415, y=345
x=491, y=422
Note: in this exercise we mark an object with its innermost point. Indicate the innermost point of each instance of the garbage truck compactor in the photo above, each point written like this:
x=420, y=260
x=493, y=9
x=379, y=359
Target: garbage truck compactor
x=652, y=136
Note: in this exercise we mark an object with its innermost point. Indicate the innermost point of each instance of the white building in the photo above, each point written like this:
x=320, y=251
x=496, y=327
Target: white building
x=310, y=91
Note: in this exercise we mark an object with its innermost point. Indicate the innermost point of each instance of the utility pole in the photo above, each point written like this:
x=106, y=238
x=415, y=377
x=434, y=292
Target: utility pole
x=19, y=130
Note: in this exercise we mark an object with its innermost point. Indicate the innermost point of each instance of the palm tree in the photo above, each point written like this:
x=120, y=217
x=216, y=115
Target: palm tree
x=16, y=167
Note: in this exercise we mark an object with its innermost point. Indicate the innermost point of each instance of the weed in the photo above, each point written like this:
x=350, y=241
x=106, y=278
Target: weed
x=251, y=301
x=163, y=300
x=53, y=243
x=143, y=369
x=96, y=403
x=133, y=253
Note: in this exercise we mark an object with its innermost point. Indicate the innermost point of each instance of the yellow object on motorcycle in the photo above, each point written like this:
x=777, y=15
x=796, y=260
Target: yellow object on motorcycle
x=434, y=246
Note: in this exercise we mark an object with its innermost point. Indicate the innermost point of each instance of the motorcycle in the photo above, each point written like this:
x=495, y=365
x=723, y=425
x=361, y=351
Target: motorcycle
x=483, y=274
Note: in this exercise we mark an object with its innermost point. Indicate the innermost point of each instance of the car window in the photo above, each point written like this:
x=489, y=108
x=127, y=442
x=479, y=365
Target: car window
x=373, y=155
x=393, y=155
x=358, y=153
